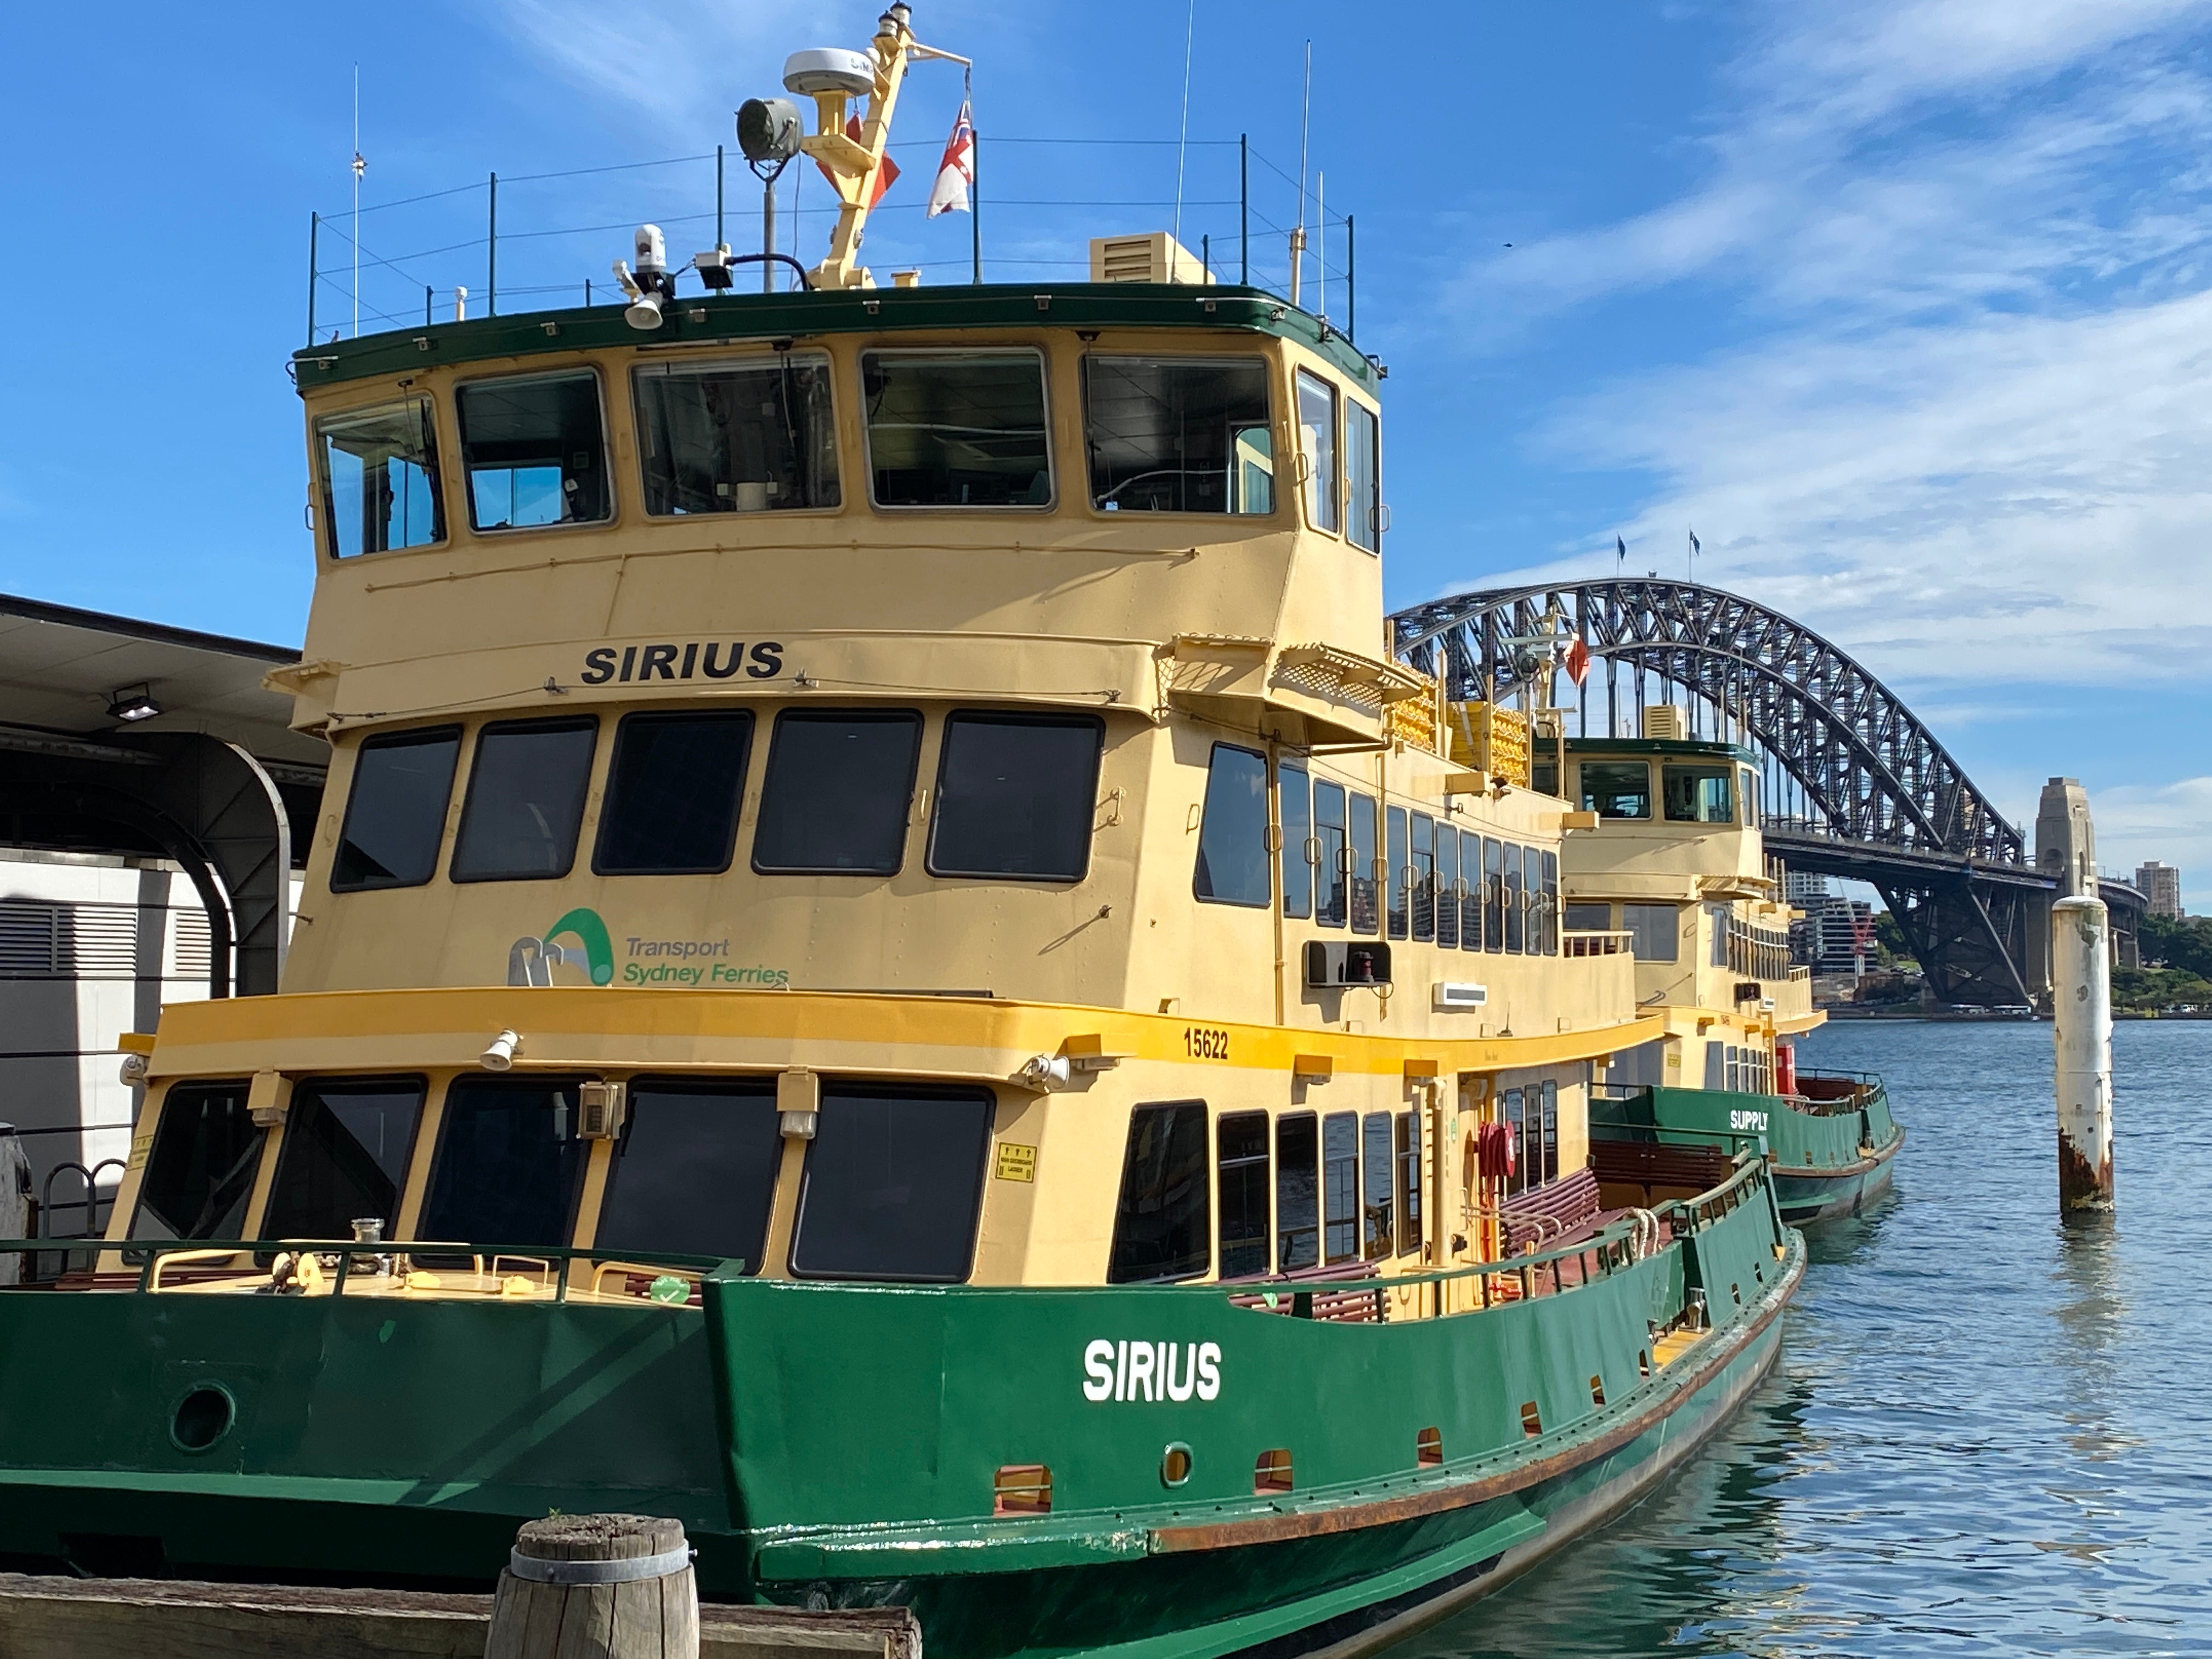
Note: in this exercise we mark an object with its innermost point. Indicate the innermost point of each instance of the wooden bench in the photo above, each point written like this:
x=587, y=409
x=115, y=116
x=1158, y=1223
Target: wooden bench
x=1646, y=1173
x=1342, y=1292
x=1542, y=1216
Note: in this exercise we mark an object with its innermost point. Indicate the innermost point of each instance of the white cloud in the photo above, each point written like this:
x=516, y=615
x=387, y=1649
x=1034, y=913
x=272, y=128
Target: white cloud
x=2171, y=822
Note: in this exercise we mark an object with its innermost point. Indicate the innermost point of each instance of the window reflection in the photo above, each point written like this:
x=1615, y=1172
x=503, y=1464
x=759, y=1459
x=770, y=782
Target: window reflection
x=749, y=437
x=525, y=799
x=344, y=1157
x=672, y=793
x=533, y=450
x=1233, y=830
x=894, y=1184
x=1363, y=465
x=1162, y=1225
x=510, y=1164
x=965, y=430
x=837, y=792
x=199, y=1175
x=380, y=490
x=1317, y=446
x=1617, y=789
x=1178, y=435
x=694, y=1173
x=1015, y=796
x=396, y=812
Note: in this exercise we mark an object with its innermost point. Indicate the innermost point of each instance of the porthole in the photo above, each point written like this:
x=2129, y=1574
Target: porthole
x=1175, y=1464
x=202, y=1417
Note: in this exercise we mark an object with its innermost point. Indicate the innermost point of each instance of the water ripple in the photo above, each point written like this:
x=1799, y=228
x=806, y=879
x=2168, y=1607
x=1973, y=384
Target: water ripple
x=1989, y=1433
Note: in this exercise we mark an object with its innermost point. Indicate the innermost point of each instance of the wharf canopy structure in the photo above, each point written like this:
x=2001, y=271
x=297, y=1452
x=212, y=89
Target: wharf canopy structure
x=891, y=968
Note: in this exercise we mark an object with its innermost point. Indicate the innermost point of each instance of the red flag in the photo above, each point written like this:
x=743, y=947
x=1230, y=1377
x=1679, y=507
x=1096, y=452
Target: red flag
x=887, y=172
x=1577, y=660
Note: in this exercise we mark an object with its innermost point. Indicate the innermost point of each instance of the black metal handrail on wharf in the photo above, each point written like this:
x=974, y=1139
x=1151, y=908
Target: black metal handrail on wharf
x=1262, y=245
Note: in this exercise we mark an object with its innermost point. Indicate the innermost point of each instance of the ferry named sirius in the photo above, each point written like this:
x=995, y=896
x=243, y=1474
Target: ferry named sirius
x=1185, y=1138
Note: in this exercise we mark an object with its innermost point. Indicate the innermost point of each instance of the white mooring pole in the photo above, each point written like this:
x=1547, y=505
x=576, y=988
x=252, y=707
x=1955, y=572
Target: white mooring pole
x=2082, y=1027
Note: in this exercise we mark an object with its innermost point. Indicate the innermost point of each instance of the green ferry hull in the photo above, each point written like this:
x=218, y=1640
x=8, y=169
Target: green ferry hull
x=837, y=1443
x=1808, y=1196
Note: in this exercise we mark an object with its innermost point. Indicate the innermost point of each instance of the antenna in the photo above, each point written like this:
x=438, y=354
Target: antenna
x=1182, y=143
x=1298, y=230
x=360, y=166
x=1321, y=240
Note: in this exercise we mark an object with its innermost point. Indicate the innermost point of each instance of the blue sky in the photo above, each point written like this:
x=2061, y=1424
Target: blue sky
x=1907, y=307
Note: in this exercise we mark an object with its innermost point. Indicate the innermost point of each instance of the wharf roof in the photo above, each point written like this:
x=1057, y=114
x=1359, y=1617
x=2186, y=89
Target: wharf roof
x=718, y=319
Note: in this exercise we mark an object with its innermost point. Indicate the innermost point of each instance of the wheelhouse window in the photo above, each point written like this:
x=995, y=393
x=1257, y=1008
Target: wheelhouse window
x=1582, y=918
x=695, y=1170
x=1697, y=794
x=509, y=1165
x=1377, y=1237
x=525, y=799
x=751, y=436
x=396, y=811
x=1178, y=435
x=343, y=1156
x=1241, y=1174
x=964, y=430
x=1297, y=1192
x=1366, y=908
x=894, y=1184
x=1232, y=829
x=1294, y=796
x=199, y=1174
x=1399, y=868
x=672, y=792
x=1651, y=931
x=1362, y=466
x=1016, y=794
x=1340, y=1185
x=1617, y=789
x=1332, y=854
x=380, y=490
x=836, y=796
x=1317, y=452
x=534, y=451
x=1163, y=1228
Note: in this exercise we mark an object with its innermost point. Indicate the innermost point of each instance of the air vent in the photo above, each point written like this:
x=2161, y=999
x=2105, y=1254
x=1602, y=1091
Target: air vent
x=1158, y=258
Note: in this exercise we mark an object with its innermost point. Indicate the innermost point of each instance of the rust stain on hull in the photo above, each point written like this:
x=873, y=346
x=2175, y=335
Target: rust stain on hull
x=2080, y=1186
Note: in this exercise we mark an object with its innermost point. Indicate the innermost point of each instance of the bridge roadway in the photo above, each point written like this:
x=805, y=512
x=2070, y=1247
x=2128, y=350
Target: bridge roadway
x=1871, y=793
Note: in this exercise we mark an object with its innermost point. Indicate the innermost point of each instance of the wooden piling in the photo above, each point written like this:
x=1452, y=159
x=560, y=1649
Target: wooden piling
x=596, y=1587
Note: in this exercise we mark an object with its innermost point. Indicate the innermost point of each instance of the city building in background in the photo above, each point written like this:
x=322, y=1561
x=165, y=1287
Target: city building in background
x=2161, y=884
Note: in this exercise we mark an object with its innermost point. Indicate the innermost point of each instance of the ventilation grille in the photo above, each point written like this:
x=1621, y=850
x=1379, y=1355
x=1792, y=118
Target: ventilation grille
x=40, y=940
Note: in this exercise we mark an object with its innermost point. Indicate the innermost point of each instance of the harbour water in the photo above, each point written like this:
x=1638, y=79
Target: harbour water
x=1989, y=1434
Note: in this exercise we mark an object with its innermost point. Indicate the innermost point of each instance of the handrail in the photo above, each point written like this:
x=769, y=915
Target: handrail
x=161, y=1257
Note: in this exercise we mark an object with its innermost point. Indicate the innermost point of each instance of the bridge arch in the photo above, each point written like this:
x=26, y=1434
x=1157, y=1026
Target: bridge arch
x=1869, y=770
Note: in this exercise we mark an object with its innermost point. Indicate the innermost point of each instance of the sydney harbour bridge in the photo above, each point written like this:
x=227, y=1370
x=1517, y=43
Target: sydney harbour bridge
x=1855, y=785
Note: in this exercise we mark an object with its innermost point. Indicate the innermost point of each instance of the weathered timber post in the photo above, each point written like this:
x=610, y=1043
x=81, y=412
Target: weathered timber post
x=606, y=1586
x=2081, y=1029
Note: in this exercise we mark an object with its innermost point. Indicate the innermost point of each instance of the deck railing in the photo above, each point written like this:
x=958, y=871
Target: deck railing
x=1593, y=943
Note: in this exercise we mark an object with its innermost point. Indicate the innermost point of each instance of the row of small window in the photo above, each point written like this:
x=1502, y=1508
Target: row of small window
x=758, y=434
x=1015, y=797
x=1761, y=952
x=1689, y=793
x=892, y=1188
x=1430, y=881
x=1739, y=1070
x=1345, y=1188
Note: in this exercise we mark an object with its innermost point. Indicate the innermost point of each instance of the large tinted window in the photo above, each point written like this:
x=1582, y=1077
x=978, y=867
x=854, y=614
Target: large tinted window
x=672, y=793
x=1339, y=1186
x=1617, y=789
x=396, y=814
x=1547, y=893
x=199, y=1174
x=343, y=1156
x=1516, y=902
x=1164, y=1226
x=1241, y=1165
x=1652, y=931
x=1377, y=1236
x=1366, y=886
x=1473, y=896
x=1331, y=868
x=1447, y=886
x=694, y=1172
x=965, y=430
x=1178, y=435
x=836, y=796
x=1016, y=794
x=750, y=437
x=534, y=451
x=1297, y=1192
x=381, y=479
x=1317, y=450
x=1362, y=466
x=509, y=1165
x=1409, y=1183
x=525, y=799
x=1232, y=832
x=894, y=1184
x=1493, y=889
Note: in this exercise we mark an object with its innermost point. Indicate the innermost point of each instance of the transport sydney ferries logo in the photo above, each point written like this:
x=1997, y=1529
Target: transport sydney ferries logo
x=580, y=940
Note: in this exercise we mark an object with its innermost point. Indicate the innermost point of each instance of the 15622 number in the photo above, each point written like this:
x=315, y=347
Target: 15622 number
x=1205, y=1043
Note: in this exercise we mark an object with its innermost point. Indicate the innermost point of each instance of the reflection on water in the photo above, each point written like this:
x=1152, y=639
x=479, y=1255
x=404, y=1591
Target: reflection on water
x=1988, y=1433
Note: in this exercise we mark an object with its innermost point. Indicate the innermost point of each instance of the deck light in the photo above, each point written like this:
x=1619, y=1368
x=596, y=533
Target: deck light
x=133, y=702
x=768, y=130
